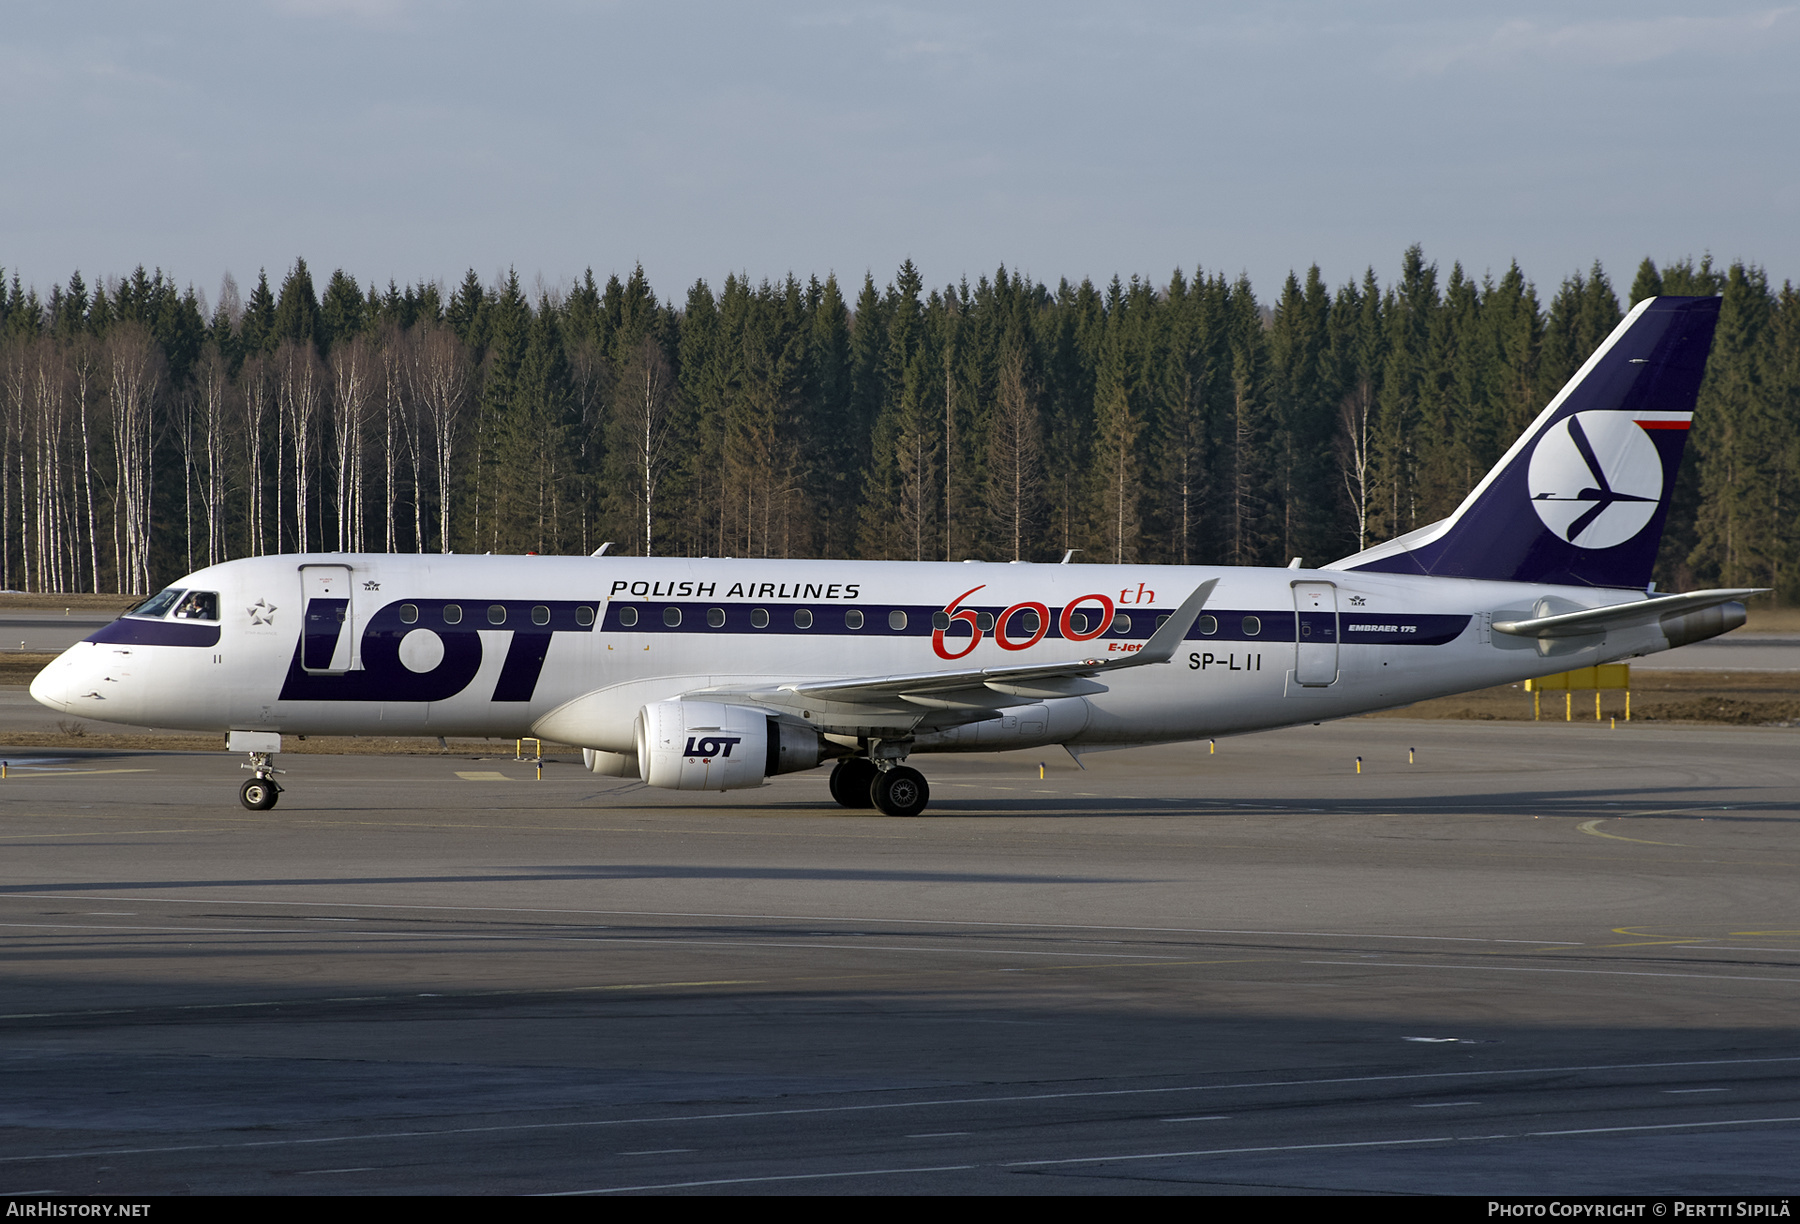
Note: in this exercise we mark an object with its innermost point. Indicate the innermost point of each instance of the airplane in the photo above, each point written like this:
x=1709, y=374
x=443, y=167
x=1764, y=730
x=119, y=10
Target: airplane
x=716, y=673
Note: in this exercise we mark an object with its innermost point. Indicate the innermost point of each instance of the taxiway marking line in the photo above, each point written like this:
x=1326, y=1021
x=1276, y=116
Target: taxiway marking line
x=747, y=1181
x=820, y=918
x=1718, y=977
x=1367, y=1143
x=60, y=773
x=1587, y=826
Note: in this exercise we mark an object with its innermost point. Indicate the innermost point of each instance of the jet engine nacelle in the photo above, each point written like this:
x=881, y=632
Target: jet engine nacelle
x=706, y=745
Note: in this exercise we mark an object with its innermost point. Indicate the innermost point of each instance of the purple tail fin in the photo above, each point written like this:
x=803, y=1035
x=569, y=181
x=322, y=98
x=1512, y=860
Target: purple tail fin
x=1581, y=497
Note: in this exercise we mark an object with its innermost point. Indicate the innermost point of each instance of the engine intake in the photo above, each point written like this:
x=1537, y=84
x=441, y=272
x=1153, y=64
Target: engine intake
x=707, y=745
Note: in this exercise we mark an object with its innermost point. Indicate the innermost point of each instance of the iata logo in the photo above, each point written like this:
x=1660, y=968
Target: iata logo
x=710, y=746
x=1596, y=479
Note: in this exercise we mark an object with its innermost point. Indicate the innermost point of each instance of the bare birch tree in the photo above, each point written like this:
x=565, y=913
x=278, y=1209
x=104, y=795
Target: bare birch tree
x=256, y=400
x=1014, y=463
x=212, y=394
x=353, y=375
x=441, y=377
x=301, y=386
x=646, y=420
x=1354, y=454
x=134, y=376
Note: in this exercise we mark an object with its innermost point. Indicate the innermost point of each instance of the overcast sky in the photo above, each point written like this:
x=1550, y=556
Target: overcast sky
x=414, y=139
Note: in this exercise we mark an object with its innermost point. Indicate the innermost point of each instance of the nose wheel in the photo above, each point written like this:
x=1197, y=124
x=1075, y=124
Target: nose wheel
x=260, y=793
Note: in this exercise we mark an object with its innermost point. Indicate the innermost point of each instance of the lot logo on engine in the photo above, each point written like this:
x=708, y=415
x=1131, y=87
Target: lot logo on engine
x=710, y=746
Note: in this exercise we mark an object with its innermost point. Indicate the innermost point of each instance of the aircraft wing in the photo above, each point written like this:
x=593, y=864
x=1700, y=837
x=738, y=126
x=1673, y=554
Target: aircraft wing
x=1620, y=616
x=973, y=692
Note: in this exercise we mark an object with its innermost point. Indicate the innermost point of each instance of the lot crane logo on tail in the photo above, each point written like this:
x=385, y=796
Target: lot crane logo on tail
x=1596, y=479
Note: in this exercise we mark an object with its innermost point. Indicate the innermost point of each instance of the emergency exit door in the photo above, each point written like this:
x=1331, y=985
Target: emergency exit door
x=1315, y=634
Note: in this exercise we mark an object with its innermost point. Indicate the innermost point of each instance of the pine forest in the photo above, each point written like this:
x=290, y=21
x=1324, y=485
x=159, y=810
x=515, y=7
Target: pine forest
x=145, y=434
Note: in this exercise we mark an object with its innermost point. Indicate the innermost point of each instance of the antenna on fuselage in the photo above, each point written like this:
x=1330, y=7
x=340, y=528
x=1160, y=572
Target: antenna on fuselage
x=601, y=551
x=1068, y=555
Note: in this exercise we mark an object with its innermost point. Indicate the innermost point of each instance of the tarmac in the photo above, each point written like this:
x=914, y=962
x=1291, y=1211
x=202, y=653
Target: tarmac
x=1501, y=959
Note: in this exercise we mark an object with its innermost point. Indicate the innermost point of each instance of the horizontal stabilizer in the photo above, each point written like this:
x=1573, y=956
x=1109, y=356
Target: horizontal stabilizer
x=1621, y=616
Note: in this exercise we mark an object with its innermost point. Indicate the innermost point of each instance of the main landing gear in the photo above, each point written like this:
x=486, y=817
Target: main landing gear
x=262, y=790
x=892, y=788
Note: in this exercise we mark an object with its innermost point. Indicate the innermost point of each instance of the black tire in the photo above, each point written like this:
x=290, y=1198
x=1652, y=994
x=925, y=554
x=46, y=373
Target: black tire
x=900, y=791
x=259, y=794
x=850, y=781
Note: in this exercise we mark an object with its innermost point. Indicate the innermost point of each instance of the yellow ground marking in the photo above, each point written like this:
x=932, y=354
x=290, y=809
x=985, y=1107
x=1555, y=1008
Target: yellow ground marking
x=481, y=775
x=1587, y=826
x=1647, y=939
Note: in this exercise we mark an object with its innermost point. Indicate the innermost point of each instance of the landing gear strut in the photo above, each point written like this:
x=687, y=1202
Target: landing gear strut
x=262, y=790
x=891, y=788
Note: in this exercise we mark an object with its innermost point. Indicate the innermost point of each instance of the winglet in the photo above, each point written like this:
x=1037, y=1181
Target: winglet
x=1165, y=641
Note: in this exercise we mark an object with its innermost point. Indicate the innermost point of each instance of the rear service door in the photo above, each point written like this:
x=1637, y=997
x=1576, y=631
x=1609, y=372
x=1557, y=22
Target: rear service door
x=326, y=641
x=1315, y=634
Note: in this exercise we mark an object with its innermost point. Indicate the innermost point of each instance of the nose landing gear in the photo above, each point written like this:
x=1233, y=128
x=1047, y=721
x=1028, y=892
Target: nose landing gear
x=262, y=790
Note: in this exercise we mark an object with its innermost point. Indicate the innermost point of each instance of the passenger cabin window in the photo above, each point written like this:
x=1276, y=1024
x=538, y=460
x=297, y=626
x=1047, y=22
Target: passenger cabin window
x=803, y=618
x=984, y=621
x=1208, y=625
x=1026, y=622
x=584, y=616
x=540, y=615
x=1252, y=626
x=853, y=619
x=940, y=620
x=759, y=618
x=157, y=605
x=199, y=605
x=1078, y=622
x=716, y=617
x=453, y=614
x=896, y=620
x=671, y=617
x=1121, y=623
x=496, y=614
x=409, y=614
x=627, y=616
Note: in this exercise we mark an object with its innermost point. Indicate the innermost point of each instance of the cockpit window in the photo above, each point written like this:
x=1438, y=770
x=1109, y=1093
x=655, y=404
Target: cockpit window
x=199, y=605
x=158, y=605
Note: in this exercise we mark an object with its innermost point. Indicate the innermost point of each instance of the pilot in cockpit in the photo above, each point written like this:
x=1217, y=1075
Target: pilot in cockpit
x=199, y=605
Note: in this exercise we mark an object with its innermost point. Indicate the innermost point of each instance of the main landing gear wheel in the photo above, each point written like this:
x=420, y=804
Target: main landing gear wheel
x=900, y=791
x=850, y=781
x=259, y=794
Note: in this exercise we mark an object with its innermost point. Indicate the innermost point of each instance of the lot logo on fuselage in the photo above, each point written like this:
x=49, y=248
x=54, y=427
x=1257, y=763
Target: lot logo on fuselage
x=1595, y=479
x=415, y=651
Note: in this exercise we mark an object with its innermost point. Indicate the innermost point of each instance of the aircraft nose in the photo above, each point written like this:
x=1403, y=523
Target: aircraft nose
x=51, y=686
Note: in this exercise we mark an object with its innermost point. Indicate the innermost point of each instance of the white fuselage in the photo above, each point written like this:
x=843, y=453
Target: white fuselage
x=541, y=645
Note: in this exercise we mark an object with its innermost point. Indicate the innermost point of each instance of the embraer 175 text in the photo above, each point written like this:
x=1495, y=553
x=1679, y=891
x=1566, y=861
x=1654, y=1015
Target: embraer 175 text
x=716, y=674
